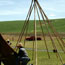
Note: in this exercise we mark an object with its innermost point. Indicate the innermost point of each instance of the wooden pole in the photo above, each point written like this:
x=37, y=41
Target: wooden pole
x=25, y=23
x=0, y=62
x=43, y=32
x=35, y=32
x=53, y=29
x=41, y=11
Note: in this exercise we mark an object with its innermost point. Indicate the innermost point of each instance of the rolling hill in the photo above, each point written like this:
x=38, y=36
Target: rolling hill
x=16, y=26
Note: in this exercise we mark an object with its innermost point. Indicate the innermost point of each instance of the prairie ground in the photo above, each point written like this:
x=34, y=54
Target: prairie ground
x=42, y=55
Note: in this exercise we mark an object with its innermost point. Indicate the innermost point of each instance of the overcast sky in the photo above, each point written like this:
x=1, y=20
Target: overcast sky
x=17, y=9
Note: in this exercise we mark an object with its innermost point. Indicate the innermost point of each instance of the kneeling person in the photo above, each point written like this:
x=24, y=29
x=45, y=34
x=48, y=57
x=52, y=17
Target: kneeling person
x=22, y=55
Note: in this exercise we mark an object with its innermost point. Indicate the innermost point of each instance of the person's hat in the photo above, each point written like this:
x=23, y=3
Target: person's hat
x=8, y=40
x=19, y=45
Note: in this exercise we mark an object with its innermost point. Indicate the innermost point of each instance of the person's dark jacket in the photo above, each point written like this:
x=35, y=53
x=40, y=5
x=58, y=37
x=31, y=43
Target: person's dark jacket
x=22, y=52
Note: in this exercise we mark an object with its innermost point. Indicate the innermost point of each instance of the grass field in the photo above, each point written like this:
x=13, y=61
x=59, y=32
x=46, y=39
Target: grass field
x=16, y=26
x=11, y=26
x=42, y=55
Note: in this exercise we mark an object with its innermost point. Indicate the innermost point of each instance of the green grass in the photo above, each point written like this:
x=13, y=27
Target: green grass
x=16, y=26
x=59, y=25
x=11, y=26
x=42, y=56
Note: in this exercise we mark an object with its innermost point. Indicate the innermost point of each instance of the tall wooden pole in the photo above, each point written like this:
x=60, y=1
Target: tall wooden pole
x=35, y=32
x=0, y=62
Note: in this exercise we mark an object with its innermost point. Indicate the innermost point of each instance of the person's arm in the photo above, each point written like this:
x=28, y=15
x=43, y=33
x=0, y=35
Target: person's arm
x=23, y=52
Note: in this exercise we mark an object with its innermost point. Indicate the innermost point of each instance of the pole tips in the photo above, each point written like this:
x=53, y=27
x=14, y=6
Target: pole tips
x=35, y=0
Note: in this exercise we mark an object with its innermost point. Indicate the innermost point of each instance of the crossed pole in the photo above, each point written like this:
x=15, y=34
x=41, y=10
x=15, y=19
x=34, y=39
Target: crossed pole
x=35, y=5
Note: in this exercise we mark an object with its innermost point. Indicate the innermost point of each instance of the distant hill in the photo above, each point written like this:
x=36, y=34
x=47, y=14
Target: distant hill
x=16, y=26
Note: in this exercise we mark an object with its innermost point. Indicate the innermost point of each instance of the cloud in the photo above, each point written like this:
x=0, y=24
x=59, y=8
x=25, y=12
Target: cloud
x=12, y=12
x=6, y=2
x=54, y=5
x=52, y=15
x=19, y=8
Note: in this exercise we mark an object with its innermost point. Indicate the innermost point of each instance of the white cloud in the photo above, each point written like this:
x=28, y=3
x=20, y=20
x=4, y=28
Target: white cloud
x=54, y=5
x=13, y=12
x=53, y=8
x=6, y=2
x=9, y=13
x=52, y=15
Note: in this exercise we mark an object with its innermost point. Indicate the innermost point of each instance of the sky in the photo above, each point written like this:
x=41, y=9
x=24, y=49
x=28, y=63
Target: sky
x=18, y=9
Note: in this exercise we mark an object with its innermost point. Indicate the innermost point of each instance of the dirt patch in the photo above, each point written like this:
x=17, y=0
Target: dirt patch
x=16, y=36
